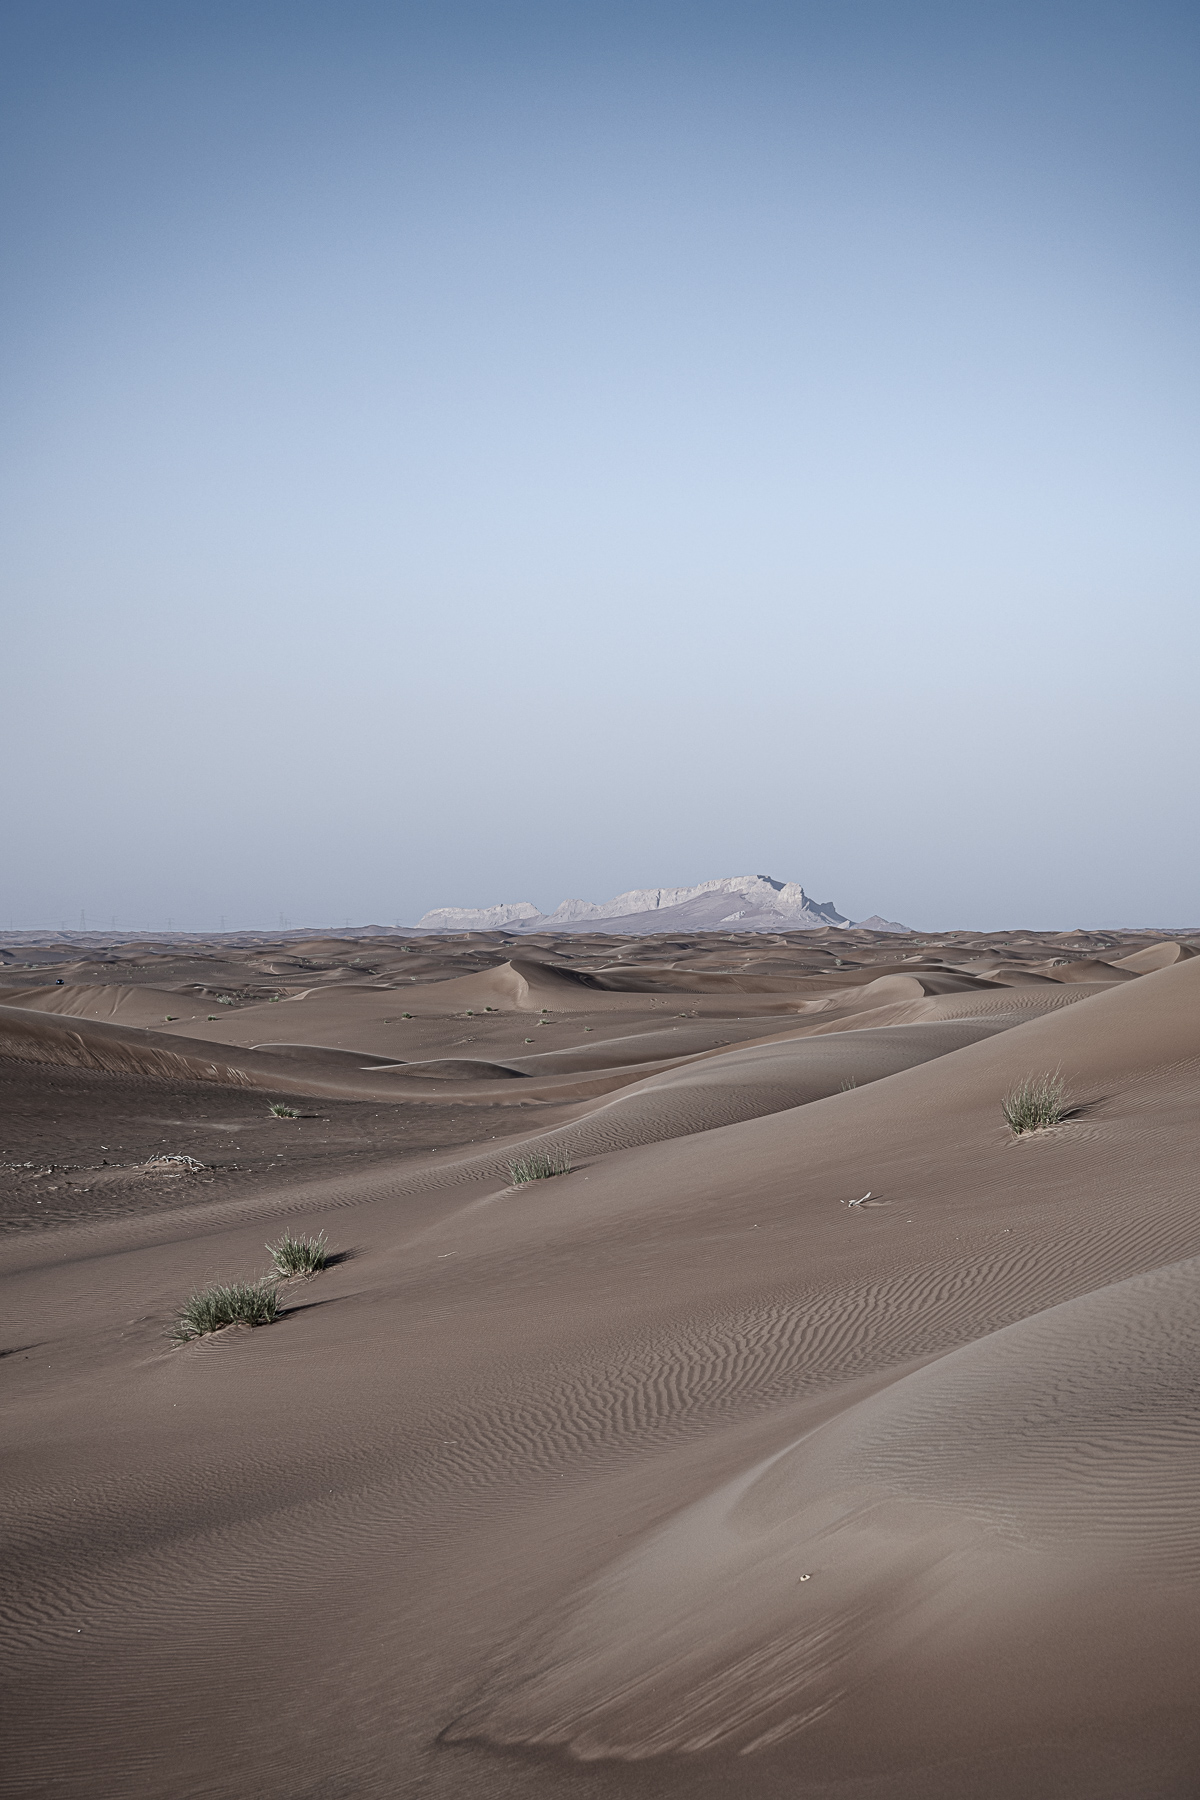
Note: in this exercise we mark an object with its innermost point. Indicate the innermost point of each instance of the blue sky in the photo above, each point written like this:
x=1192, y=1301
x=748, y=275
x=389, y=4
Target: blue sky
x=472, y=452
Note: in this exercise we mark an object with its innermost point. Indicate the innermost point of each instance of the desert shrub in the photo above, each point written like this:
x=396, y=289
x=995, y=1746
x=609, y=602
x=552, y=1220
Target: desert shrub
x=278, y=1110
x=1035, y=1103
x=298, y=1256
x=539, y=1165
x=234, y=1303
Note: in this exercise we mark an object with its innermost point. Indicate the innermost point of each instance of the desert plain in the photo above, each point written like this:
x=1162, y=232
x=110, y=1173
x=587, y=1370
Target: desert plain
x=811, y=1435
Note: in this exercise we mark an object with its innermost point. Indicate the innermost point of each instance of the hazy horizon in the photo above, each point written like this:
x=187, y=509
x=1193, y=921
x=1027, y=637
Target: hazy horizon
x=463, y=453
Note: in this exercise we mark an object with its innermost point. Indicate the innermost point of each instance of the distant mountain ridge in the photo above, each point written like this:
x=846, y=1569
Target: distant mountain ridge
x=735, y=902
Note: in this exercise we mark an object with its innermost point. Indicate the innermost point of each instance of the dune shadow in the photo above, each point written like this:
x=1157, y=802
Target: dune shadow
x=1083, y=1109
x=299, y=1306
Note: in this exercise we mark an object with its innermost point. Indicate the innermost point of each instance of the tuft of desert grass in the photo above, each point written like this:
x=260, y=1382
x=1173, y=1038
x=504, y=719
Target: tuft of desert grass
x=298, y=1255
x=1035, y=1103
x=278, y=1110
x=226, y=1303
x=539, y=1165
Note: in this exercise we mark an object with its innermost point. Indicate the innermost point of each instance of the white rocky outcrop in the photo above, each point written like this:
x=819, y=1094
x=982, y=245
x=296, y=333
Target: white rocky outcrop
x=758, y=894
x=743, y=902
x=479, y=918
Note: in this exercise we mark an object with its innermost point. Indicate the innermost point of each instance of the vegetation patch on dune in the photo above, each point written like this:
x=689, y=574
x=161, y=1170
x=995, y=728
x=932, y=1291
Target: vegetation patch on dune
x=1036, y=1103
x=298, y=1255
x=222, y=1304
x=539, y=1165
x=278, y=1110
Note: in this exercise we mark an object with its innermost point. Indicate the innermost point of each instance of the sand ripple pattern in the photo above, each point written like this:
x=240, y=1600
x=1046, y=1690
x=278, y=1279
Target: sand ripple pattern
x=1018, y=1464
x=608, y=1402
x=679, y=1380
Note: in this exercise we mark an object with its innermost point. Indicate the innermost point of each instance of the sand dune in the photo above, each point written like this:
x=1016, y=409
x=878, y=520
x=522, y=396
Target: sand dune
x=120, y=1002
x=703, y=1092
x=887, y=1004
x=813, y=1437
x=1154, y=956
x=75, y=1042
x=1091, y=969
x=1026, y=1485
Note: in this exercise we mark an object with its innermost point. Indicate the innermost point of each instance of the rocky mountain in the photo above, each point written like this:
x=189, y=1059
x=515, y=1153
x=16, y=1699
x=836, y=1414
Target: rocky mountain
x=734, y=903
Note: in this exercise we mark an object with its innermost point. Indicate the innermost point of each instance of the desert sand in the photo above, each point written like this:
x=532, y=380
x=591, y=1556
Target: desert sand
x=814, y=1436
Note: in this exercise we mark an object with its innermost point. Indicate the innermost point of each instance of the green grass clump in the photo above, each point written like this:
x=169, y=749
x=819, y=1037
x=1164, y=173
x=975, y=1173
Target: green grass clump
x=222, y=1304
x=278, y=1110
x=1035, y=1103
x=539, y=1165
x=298, y=1256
